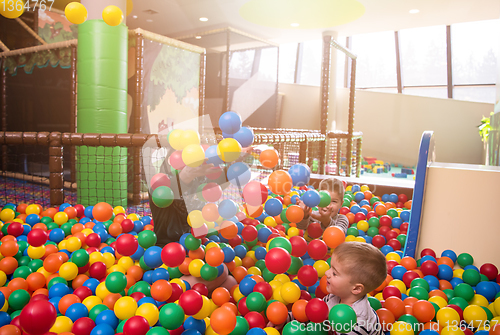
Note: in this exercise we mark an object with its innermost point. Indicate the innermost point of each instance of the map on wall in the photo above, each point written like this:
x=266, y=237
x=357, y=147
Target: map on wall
x=54, y=27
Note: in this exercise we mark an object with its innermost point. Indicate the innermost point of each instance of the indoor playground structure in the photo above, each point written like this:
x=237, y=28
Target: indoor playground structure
x=78, y=253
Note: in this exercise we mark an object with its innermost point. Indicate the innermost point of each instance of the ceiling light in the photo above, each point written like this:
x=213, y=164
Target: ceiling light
x=203, y=19
x=149, y=20
x=134, y=16
x=198, y=37
x=414, y=11
x=294, y=24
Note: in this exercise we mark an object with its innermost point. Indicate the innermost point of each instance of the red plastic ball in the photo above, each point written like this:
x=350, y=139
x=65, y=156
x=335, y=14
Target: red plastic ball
x=176, y=161
x=173, y=254
x=385, y=220
x=98, y=270
x=429, y=268
x=126, y=245
x=390, y=265
x=249, y=233
x=136, y=325
x=93, y=240
x=211, y=192
x=404, y=227
x=278, y=260
x=176, y=292
x=15, y=229
x=38, y=317
x=458, y=309
x=403, y=198
x=319, y=293
x=307, y=275
x=371, y=214
x=83, y=326
x=391, y=291
x=80, y=210
x=391, y=234
x=236, y=241
x=489, y=270
x=314, y=230
x=427, y=252
x=201, y=288
x=409, y=276
x=317, y=310
x=82, y=292
x=255, y=320
x=394, y=243
x=383, y=230
x=137, y=296
x=317, y=249
x=304, y=295
x=359, y=216
x=37, y=237
x=191, y=302
x=378, y=241
x=242, y=306
x=265, y=288
x=299, y=246
x=344, y=210
x=255, y=193
x=127, y=225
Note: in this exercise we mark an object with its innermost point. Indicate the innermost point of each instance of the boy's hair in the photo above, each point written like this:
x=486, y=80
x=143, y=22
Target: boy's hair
x=363, y=262
x=332, y=185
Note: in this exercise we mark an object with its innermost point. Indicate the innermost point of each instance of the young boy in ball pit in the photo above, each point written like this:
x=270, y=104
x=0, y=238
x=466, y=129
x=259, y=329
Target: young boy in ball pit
x=356, y=269
x=327, y=216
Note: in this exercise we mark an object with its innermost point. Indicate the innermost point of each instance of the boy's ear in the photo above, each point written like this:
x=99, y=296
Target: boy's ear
x=358, y=289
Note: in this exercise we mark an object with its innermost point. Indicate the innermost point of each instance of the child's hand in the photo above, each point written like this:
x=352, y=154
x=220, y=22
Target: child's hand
x=307, y=210
x=324, y=215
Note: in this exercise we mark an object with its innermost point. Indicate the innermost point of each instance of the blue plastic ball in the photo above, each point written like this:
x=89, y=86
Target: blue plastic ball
x=228, y=208
x=138, y=253
x=393, y=197
x=102, y=329
x=160, y=273
x=88, y=212
x=448, y=253
x=239, y=174
x=148, y=276
x=300, y=173
x=4, y=319
x=455, y=281
x=263, y=234
x=396, y=222
x=260, y=253
x=59, y=290
x=152, y=257
x=107, y=317
x=211, y=155
x=386, y=249
x=311, y=198
x=432, y=280
x=92, y=284
x=57, y=235
x=76, y=311
x=385, y=198
x=192, y=323
x=240, y=251
x=355, y=188
x=398, y=271
x=32, y=219
x=273, y=207
x=246, y=285
x=256, y=331
x=486, y=289
x=230, y=122
x=244, y=136
x=359, y=196
x=445, y=272
x=405, y=215
x=355, y=209
x=229, y=254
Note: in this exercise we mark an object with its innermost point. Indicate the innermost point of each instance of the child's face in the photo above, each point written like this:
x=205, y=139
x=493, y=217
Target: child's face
x=336, y=203
x=338, y=282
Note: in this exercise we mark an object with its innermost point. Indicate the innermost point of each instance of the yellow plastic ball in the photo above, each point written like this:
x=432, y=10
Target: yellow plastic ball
x=379, y=296
x=112, y=15
x=365, y=188
x=175, y=139
x=133, y=217
x=237, y=295
x=402, y=328
x=126, y=262
x=61, y=218
x=12, y=9
x=63, y=324
x=117, y=268
x=211, y=245
x=495, y=321
x=62, y=244
x=210, y=331
x=205, y=309
x=399, y=284
x=109, y=259
x=149, y=312
x=440, y=301
x=277, y=296
x=237, y=261
x=290, y=292
x=118, y=210
x=87, y=232
x=195, y=219
x=282, y=278
x=254, y=271
x=44, y=272
x=73, y=244
x=293, y=231
x=321, y=267
x=457, y=273
x=271, y=331
x=76, y=13
x=5, y=306
x=130, y=7
x=363, y=225
x=452, y=330
x=68, y=271
x=190, y=137
x=270, y=221
x=350, y=238
x=36, y=252
x=475, y=315
x=92, y=301
x=32, y=209
x=360, y=239
x=348, y=188
x=96, y=256
x=251, y=254
x=193, y=155
x=275, y=284
x=448, y=316
x=7, y=214
x=3, y=278
x=229, y=149
x=101, y=291
x=393, y=256
x=491, y=307
x=479, y=300
x=125, y=308
x=195, y=267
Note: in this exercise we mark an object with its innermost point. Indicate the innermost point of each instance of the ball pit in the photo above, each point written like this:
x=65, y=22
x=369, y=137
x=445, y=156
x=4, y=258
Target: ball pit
x=96, y=270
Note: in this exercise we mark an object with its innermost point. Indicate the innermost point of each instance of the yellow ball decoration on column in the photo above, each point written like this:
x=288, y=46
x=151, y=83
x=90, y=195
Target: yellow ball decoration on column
x=11, y=9
x=130, y=7
x=112, y=15
x=76, y=13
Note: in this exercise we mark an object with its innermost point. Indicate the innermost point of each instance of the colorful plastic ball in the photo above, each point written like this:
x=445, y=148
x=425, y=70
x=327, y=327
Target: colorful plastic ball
x=125, y=308
x=116, y=282
x=126, y=245
x=38, y=317
x=317, y=249
x=76, y=13
x=464, y=291
x=311, y=198
x=112, y=15
x=76, y=311
x=83, y=326
x=256, y=302
x=102, y=211
x=229, y=150
x=269, y=158
x=489, y=270
x=245, y=136
x=342, y=318
x=171, y=316
x=193, y=155
x=136, y=325
x=68, y=271
x=273, y=207
x=255, y=193
x=278, y=260
x=448, y=316
x=173, y=254
x=280, y=182
x=300, y=174
x=465, y=259
x=239, y=174
x=290, y=292
x=162, y=196
x=191, y=302
x=159, y=179
x=230, y=122
x=317, y=310
x=102, y=329
x=333, y=237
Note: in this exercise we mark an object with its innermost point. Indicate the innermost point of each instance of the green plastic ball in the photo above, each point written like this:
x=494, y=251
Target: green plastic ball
x=191, y=242
x=465, y=291
x=325, y=199
x=281, y=242
x=410, y=319
x=241, y=327
x=256, y=302
x=56, y=280
x=171, y=316
x=35, y=264
x=374, y=303
x=157, y=331
x=283, y=216
x=143, y=287
x=294, y=328
x=372, y=231
x=80, y=257
x=18, y=299
x=96, y=310
x=465, y=259
x=352, y=231
x=23, y=261
x=421, y=282
x=268, y=275
x=297, y=263
x=459, y=301
x=163, y=196
x=116, y=282
x=208, y=272
x=147, y=238
x=471, y=277
x=174, y=273
x=419, y=292
x=22, y=272
x=342, y=318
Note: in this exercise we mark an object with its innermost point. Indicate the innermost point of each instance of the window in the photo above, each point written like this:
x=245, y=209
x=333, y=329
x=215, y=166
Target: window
x=341, y=59
x=376, y=62
x=240, y=65
x=288, y=59
x=267, y=64
x=312, y=53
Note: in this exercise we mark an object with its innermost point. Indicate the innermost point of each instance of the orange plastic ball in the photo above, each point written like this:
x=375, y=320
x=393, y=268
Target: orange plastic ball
x=66, y=301
x=223, y=321
x=294, y=214
x=214, y=256
x=161, y=290
x=228, y=230
x=8, y=265
x=395, y=305
x=220, y=295
x=424, y=311
x=277, y=312
x=239, y=273
x=280, y=182
x=299, y=310
x=333, y=237
x=102, y=211
x=9, y=248
x=269, y=158
x=35, y=281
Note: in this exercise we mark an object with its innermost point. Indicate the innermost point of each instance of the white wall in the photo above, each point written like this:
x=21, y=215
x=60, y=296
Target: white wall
x=392, y=124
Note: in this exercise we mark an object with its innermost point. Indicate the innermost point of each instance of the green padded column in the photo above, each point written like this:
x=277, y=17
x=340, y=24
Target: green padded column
x=102, y=108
